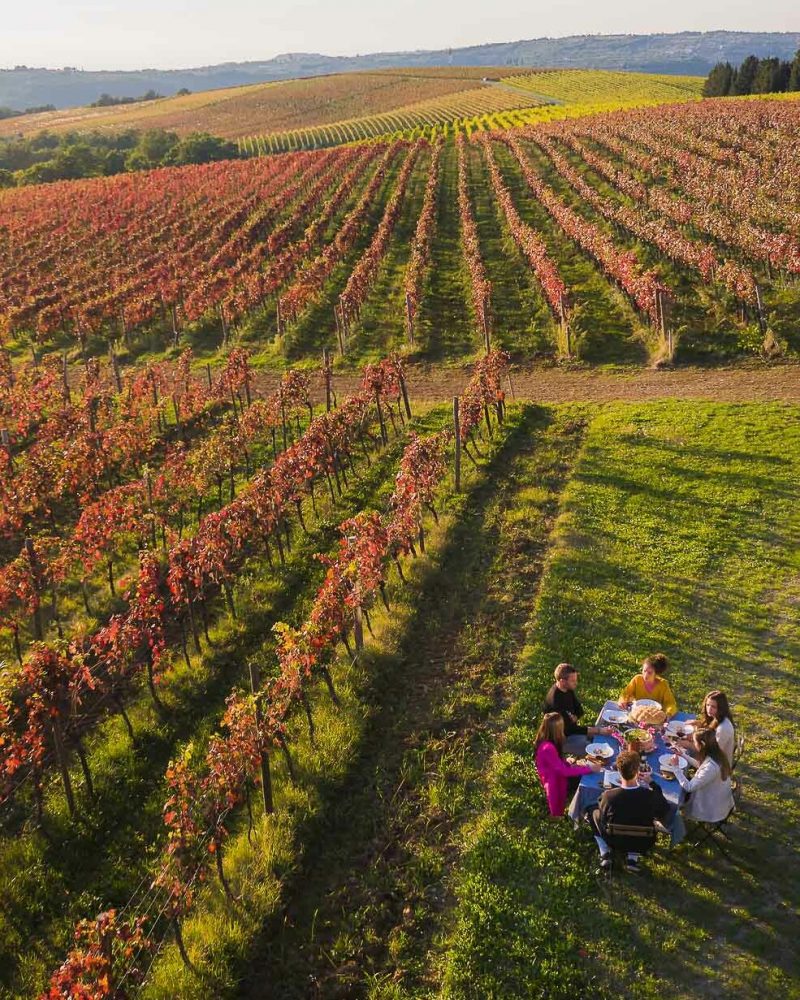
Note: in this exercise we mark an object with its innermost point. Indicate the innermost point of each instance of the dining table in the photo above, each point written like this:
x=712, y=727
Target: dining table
x=592, y=786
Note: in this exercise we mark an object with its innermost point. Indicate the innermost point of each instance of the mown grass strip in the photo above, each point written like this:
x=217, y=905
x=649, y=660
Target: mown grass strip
x=678, y=532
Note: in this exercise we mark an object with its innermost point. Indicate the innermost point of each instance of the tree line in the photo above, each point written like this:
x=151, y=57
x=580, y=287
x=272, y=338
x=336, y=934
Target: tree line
x=48, y=156
x=754, y=76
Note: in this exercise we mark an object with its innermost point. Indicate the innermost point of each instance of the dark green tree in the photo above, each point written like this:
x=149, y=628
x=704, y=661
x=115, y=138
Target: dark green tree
x=794, y=73
x=201, y=147
x=151, y=150
x=719, y=81
x=746, y=75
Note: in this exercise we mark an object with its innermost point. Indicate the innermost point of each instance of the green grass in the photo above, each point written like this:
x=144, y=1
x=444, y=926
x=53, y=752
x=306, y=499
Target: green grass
x=678, y=533
x=371, y=897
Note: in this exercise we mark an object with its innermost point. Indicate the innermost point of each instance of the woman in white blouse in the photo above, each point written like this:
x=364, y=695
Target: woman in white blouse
x=716, y=715
x=711, y=799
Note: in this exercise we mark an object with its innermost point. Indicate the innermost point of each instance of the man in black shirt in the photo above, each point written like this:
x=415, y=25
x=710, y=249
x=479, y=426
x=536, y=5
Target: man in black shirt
x=561, y=698
x=632, y=804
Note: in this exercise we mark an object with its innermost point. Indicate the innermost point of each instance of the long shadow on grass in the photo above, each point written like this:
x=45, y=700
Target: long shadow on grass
x=404, y=688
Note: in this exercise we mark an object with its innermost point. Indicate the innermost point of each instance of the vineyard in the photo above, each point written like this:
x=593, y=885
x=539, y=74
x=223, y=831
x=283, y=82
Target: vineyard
x=661, y=235
x=275, y=629
x=507, y=101
x=239, y=111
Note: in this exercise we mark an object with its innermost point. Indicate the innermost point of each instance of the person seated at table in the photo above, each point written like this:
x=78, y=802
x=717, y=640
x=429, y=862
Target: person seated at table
x=561, y=698
x=715, y=714
x=651, y=683
x=633, y=803
x=558, y=777
x=711, y=794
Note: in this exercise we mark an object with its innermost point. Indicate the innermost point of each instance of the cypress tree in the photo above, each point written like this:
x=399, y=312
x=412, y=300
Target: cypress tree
x=746, y=76
x=794, y=73
x=719, y=81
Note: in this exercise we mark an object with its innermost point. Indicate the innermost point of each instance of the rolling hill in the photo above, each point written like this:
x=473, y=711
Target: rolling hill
x=684, y=52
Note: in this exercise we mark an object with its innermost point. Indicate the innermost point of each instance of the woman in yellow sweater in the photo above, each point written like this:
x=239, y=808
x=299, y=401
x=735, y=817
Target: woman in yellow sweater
x=650, y=683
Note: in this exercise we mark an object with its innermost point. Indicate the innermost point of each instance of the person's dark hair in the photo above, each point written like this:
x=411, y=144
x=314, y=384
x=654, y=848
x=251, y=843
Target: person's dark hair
x=658, y=662
x=564, y=670
x=628, y=763
x=706, y=743
x=723, y=710
x=551, y=730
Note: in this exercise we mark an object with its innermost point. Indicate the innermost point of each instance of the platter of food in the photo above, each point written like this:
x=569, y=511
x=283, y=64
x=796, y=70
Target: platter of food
x=615, y=715
x=647, y=713
x=666, y=762
x=601, y=750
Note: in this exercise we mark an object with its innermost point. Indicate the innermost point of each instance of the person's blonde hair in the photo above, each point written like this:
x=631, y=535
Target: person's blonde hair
x=551, y=730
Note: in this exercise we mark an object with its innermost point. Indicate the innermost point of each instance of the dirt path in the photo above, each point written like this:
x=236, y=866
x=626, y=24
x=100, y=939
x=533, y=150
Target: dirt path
x=756, y=383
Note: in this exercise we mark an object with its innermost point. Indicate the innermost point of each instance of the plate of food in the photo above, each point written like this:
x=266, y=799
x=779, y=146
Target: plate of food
x=646, y=703
x=601, y=750
x=666, y=762
x=679, y=729
x=615, y=715
x=611, y=779
x=647, y=713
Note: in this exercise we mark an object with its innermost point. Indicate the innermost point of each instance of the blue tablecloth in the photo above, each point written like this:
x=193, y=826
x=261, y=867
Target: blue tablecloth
x=591, y=786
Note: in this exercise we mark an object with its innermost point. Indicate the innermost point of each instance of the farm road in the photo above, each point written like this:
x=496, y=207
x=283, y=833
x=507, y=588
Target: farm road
x=756, y=383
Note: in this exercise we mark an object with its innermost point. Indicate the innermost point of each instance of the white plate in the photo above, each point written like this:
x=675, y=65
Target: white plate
x=646, y=703
x=687, y=727
x=615, y=715
x=665, y=761
x=600, y=750
x=611, y=779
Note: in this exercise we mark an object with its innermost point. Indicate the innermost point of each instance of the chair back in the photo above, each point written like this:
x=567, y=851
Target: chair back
x=738, y=750
x=626, y=837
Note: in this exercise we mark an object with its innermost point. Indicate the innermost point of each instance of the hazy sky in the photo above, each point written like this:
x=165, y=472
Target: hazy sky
x=132, y=34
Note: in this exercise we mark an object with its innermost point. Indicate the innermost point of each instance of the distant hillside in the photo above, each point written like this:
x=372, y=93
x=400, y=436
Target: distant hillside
x=687, y=52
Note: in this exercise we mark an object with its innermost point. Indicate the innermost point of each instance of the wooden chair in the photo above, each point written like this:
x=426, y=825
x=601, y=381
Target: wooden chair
x=716, y=834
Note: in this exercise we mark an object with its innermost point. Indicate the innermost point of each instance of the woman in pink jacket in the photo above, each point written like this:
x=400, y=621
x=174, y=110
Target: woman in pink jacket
x=554, y=771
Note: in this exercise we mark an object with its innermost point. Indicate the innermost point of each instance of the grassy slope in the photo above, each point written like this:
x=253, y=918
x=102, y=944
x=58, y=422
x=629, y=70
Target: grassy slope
x=679, y=532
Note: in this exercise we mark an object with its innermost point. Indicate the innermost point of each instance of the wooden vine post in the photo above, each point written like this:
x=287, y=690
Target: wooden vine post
x=266, y=777
x=762, y=325
x=404, y=391
x=65, y=378
x=30, y=552
x=457, y=429
x=326, y=371
x=662, y=310
x=409, y=320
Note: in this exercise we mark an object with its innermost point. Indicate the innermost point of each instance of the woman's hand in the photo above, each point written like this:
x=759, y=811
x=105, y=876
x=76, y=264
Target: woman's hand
x=597, y=768
x=623, y=704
